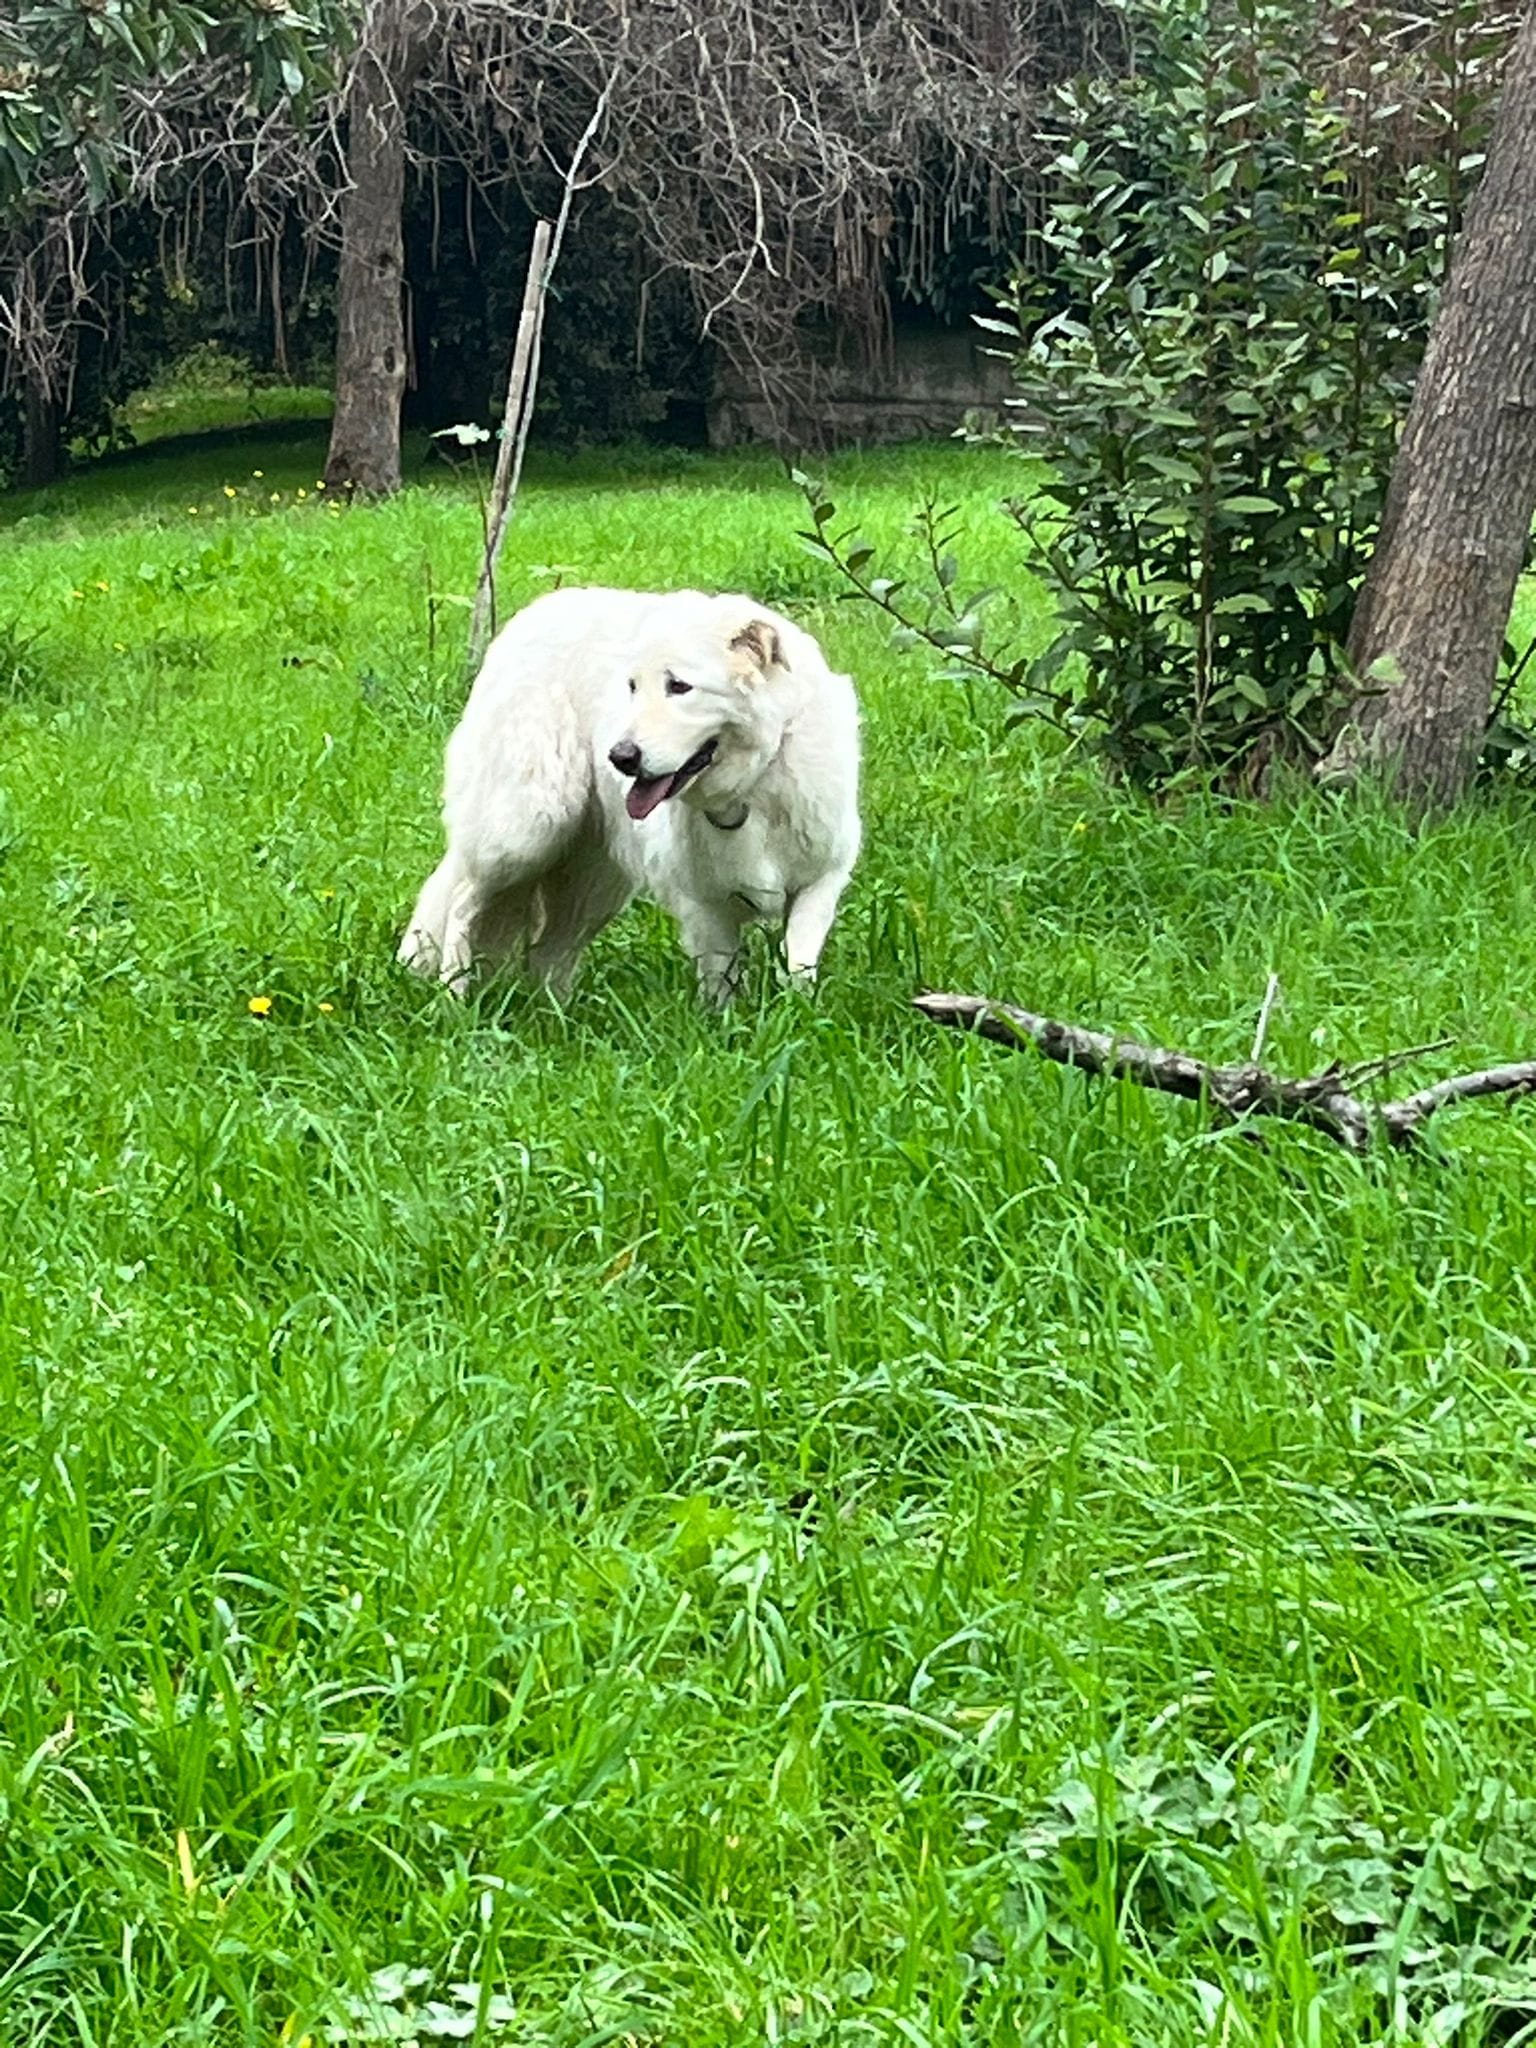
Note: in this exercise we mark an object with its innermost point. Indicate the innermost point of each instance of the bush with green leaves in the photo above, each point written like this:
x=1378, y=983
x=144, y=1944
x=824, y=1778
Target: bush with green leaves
x=1433, y=1921
x=78, y=76
x=1239, y=257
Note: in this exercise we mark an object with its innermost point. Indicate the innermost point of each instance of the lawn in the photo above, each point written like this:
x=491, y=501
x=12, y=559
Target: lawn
x=623, y=1526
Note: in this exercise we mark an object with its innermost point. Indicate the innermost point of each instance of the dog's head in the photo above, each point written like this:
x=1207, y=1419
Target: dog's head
x=702, y=720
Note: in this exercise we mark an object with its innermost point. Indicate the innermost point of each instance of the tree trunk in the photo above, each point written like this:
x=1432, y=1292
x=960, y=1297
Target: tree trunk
x=364, y=453
x=40, y=432
x=1434, y=611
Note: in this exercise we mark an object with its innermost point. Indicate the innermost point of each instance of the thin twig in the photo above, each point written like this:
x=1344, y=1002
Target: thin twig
x=1270, y=996
x=1386, y=1063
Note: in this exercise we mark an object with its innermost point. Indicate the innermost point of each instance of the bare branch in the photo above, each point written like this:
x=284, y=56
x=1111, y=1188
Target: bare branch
x=1322, y=1100
x=1402, y=1119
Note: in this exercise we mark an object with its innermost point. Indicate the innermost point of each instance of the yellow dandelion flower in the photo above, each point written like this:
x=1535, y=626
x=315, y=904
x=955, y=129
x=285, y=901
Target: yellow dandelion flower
x=258, y=472
x=103, y=586
x=327, y=895
x=193, y=510
x=319, y=483
x=230, y=491
x=276, y=497
x=301, y=494
x=327, y=1009
x=77, y=593
x=260, y=1006
x=118, y=647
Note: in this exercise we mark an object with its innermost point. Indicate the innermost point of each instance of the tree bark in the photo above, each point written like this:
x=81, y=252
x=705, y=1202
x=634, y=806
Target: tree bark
x=1433, y=613
x=40, y=432
x=364, y=454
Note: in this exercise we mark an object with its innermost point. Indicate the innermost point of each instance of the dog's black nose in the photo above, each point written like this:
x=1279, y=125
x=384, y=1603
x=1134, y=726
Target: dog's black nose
x=625, y=756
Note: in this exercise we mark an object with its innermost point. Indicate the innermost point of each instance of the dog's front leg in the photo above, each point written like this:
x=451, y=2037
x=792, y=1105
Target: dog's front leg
x=458, y=955
x=436, y=944
x=810, y=919
x=712, y=940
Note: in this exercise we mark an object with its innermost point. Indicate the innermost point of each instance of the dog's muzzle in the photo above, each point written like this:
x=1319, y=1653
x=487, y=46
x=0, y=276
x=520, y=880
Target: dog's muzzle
x=647, y=791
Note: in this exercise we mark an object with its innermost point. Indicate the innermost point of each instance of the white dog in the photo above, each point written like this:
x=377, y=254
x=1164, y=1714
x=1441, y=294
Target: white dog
x=694, y=749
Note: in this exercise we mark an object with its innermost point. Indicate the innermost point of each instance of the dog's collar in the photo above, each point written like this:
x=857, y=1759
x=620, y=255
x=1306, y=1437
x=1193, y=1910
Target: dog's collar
x=733, y=823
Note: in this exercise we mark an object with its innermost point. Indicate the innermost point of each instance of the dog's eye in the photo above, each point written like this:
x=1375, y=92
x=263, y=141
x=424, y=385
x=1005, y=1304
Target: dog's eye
x=675, y=688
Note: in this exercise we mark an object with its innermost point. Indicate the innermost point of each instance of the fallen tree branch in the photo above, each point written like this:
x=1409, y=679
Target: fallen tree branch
x=1325, y=1101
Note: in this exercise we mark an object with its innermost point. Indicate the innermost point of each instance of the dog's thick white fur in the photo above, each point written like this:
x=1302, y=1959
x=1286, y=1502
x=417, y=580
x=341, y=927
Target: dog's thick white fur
x=696, y=750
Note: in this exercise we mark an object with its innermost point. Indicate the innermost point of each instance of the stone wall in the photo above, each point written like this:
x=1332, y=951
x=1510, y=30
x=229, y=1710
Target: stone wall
x=933, y=376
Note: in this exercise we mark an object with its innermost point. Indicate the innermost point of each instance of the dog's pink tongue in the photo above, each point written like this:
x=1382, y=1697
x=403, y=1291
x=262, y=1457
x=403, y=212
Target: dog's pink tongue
x=644, y=796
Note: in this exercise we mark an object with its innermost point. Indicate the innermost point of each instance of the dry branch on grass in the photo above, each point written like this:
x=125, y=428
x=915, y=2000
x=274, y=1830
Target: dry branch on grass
x=1326, y=1101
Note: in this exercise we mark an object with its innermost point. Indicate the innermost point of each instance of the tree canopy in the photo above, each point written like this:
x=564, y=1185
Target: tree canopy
x=88, y=86
x=779, y=159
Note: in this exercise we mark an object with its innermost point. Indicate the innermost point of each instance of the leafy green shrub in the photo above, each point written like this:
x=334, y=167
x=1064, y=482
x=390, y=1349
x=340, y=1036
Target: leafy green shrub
x=206, y=367
x=1243, y=239
x=1178, y=1837
x=1509, y=745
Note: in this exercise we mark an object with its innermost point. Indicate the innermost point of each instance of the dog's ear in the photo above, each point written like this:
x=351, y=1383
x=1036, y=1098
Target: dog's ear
x=759, y=641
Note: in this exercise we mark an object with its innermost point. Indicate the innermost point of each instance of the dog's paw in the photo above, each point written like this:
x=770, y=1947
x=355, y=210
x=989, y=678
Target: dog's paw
x=420, y=952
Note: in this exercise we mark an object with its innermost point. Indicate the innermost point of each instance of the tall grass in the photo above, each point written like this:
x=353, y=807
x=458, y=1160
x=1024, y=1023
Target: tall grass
x=785, y=1529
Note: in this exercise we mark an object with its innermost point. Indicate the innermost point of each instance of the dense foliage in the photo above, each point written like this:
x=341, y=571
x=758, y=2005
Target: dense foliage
x=620, y=345
x=75, y=78
x=1243, y=244
x=130, y=130
x=466, y=260
x=774, y=165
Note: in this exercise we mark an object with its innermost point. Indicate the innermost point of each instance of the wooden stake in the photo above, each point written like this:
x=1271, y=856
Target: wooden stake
x=515, y=419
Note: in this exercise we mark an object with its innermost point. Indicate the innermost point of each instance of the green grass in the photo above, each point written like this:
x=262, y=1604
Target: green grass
x=157, y=416
x=211, y=391
x=797, y=1528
